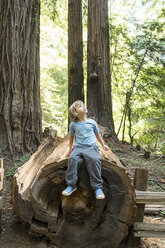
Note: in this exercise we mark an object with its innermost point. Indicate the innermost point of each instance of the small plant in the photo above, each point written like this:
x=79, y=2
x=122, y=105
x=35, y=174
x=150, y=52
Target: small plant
x=25, y=158
x=22, y=160
x=109, y=144
x=162, y=214
x=152, y=186
x=11, y=172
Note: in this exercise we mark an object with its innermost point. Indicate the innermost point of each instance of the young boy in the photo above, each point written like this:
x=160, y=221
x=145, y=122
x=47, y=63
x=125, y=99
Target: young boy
x=84, y=133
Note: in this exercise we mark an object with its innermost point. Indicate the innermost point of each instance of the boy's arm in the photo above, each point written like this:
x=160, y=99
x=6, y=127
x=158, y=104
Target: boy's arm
x=71, y=138
x=99, y=138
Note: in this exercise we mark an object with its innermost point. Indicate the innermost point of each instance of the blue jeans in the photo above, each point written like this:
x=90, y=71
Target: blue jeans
x=90, y=155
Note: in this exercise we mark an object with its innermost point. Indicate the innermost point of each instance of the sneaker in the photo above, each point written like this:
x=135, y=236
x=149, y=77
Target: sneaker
x=99, y=194
x=69, y=190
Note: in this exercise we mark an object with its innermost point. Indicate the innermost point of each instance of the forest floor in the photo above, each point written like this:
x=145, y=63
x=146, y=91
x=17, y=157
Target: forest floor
x=131, y=158
x=15, y=233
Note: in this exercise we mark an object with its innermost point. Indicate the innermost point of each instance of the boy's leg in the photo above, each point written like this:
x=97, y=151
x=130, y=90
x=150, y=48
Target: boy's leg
x=74, y=160
x=93, y=163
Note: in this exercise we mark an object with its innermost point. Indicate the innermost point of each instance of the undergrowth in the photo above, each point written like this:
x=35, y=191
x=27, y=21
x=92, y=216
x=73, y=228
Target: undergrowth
x=18, y=164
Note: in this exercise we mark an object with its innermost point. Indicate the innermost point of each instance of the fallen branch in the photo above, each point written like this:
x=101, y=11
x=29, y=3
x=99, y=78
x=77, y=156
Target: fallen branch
x=158, y=183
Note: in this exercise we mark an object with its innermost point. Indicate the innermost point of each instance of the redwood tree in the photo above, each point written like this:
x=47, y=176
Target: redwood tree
x=98, y=72
x=20, y=110
x=75, y=52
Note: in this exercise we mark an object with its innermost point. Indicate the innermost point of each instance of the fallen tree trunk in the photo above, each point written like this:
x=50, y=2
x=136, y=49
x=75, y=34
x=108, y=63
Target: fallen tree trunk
x=78, y=220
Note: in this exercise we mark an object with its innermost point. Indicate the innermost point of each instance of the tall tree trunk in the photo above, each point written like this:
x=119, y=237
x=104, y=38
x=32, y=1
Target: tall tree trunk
x=75, y=52
x=130, y=124
x=124, y=123
x=20, y=110
x=98, y=78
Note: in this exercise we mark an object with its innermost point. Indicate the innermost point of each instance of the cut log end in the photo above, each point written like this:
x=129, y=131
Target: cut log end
x=94, y=223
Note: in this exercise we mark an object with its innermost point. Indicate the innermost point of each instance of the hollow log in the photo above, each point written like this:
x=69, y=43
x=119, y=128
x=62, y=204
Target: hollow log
x=78, y=220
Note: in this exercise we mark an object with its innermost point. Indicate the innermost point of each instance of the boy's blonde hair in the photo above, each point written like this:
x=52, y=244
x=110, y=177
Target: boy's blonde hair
x=72, y=110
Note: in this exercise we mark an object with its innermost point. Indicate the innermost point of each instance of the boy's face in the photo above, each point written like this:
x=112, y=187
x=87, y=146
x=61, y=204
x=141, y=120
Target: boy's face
x=81, y=109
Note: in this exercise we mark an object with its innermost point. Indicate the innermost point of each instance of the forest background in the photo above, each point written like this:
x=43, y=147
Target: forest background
x=137, y=61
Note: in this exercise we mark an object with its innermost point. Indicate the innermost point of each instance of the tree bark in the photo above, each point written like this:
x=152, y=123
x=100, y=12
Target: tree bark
x=98, y=72
x=75, y=52
x=20, y=110
x=78, y=220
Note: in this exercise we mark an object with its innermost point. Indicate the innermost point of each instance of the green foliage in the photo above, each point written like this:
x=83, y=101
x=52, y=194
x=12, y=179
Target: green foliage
x=16, y=165
x=110, y=145
x=137, y=70
x=54, y=100
x=54, y=92
x=162, y=214
x=85, y=13
x=49, y=8
x=153, y=186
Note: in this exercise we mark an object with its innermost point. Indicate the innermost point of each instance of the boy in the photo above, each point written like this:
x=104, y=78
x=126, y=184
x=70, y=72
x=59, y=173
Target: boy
x=84, y=132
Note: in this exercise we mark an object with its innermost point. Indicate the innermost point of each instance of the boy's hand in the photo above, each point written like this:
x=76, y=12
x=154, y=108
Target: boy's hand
x=68, y=153
x=71, y=138
x=100, y=139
